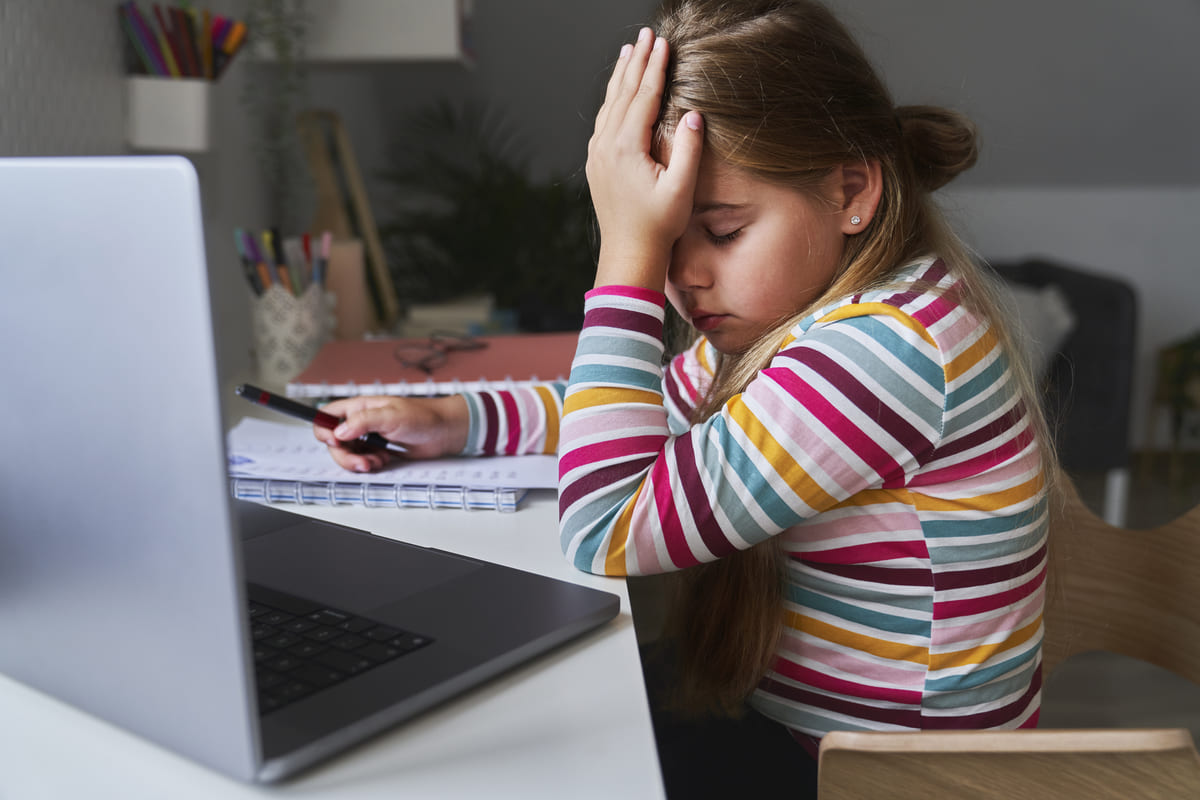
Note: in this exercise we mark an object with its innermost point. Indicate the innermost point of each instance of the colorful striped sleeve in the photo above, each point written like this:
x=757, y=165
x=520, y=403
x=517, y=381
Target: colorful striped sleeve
x=854, y=403
x=517, y=421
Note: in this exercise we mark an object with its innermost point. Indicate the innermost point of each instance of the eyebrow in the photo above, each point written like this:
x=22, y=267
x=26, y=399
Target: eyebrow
x=707, y=207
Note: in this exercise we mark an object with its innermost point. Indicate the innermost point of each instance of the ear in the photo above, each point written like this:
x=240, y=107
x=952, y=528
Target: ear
x=858, y=187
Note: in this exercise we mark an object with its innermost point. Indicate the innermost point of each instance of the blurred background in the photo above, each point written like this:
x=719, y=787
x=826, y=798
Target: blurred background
x=1088, y=111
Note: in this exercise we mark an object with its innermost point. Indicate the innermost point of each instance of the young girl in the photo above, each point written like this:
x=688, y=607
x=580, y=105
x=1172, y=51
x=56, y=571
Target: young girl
x=848, y=465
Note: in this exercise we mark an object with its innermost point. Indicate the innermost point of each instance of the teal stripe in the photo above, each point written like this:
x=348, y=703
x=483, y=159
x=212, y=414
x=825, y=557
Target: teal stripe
x=859, y=593
x=797, y=718
x=948, y=554
x=742, y=462
x=650, y=352
x=612, y=375
x=600, y=514
x=988, y=526
x=876, y=620
x=883, y=331
x=980, y=677
x=986, y=384
x=988, y=692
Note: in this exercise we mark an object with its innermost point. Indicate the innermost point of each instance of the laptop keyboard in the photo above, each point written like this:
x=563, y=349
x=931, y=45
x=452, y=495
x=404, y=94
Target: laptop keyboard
x=301, y=647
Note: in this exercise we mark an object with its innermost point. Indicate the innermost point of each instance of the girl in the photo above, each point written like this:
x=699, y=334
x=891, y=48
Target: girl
x=848, y=466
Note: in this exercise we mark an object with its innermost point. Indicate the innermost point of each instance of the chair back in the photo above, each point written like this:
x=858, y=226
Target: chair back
x=1117, y=590
x=1003, y=765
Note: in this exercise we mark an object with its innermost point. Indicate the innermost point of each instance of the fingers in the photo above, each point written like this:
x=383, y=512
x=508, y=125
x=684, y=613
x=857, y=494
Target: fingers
x=636, y=83
x=687, y=144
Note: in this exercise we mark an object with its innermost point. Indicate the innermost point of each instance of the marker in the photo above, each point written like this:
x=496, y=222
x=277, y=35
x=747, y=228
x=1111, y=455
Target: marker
x=313, y=415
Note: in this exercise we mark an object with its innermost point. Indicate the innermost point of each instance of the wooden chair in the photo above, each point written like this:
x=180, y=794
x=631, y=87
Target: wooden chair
x=1123, y=591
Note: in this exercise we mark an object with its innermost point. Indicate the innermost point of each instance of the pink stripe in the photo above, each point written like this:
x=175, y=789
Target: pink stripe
x=634, y=292
x=869, y=669
x=1003, y=476
x=513, y=420
x=959, y=331
x=642, y=523
x=672, y=530
x=950, y=637
x=984, y=462
x=820, y=533
x=869, y=553
x=859, y=691
x=610, y=450
x=876, y=457
x=979, y=605
x=935, y=311
x=533, y=424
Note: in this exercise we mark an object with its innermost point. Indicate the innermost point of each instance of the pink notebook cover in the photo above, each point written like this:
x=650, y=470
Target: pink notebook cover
x=350, y=366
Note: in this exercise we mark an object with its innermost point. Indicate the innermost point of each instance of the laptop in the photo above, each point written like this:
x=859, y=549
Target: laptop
x=131, y=584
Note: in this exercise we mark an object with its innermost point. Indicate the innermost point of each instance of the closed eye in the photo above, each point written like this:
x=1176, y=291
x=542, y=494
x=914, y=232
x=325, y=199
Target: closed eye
x=723, y=239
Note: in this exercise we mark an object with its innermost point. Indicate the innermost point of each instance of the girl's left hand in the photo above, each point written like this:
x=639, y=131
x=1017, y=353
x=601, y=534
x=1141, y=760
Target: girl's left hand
x=642, y=206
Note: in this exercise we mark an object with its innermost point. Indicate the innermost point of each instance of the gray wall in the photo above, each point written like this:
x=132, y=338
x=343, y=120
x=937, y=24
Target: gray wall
x=1088, y=111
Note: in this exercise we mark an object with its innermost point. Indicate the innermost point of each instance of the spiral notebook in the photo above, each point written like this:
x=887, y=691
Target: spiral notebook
x=281, y=462
x=347, y=367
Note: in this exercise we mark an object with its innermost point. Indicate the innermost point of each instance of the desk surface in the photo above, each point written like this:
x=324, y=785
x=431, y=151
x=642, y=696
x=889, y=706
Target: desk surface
x=573, y=723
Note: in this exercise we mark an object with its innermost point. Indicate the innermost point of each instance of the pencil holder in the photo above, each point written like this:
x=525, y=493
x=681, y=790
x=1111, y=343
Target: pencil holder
x=288, y=331
x=167, y=113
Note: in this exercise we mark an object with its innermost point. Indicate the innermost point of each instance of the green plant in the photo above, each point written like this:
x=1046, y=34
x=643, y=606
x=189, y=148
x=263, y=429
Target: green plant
x=470, y=218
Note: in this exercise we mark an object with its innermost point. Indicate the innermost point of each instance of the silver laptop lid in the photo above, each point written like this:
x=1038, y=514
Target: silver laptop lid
x=119, y=583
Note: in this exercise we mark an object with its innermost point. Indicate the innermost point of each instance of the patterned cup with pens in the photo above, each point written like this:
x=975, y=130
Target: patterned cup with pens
x=292, y=314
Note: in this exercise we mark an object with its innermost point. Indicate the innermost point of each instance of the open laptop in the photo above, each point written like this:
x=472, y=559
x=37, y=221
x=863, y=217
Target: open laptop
x=124, y=562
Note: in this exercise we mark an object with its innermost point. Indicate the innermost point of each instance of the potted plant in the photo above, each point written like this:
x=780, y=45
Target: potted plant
x=468, y=217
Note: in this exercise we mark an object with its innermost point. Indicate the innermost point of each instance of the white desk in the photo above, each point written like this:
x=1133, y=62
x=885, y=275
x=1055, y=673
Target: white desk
x=571, y=724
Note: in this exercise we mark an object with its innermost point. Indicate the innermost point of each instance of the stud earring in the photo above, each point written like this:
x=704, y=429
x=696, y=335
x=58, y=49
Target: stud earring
x=855, y=219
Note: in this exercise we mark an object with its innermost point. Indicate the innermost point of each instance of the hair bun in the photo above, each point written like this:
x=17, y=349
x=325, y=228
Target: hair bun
x=941, y=143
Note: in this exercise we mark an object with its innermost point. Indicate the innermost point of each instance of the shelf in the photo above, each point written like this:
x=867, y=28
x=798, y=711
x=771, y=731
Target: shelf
x=362, y=31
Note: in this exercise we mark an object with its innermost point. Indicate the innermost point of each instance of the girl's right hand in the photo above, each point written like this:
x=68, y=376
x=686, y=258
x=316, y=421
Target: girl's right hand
x=642, y=206
x=429, y=427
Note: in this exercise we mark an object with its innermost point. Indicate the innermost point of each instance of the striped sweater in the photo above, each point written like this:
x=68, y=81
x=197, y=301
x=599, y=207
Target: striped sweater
x=886, y=443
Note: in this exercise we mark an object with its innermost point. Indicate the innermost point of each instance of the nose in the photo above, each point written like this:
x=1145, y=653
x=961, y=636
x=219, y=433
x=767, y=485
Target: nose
x=688, y=269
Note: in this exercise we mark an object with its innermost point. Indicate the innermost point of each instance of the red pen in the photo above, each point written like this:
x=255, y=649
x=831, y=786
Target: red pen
x=310, y=414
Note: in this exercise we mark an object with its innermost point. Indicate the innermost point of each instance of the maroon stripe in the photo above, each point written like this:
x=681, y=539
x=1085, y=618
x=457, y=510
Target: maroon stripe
x=858, y=394
x=993, y=430
x=491, y=417
x=937, y=270
x=600, y=479
x=948, y=609
x=624, y=319
x=908, y=718
x=675, y=391
x=983, y=577
x=995, y=718
x=630, y=446
x=698, y=502
x=877, y=574
x=678, y=551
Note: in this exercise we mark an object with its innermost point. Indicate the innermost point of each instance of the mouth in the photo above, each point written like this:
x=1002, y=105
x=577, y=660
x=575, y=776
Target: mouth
x=705, y=321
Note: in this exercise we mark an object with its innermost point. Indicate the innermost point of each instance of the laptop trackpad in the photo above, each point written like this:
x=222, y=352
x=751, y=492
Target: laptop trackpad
x=345, y=567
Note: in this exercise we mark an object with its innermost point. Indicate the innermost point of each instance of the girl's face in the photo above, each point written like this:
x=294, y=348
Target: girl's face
x=753, y=254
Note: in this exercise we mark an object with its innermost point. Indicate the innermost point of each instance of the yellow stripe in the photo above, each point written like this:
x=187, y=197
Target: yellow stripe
x=609, y=395
x=967, y=359
x=702, y=359
x=880, y=648
x=983, y=653
x=777, y=456
x=614, y=562
x=985, y=502
x=873, y=309
x=550, y=403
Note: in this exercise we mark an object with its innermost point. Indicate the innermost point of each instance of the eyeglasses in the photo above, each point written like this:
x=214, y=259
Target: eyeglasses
x=432, y=353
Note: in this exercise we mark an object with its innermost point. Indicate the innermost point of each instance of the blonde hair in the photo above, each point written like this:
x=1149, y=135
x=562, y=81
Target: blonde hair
x=787, y=95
